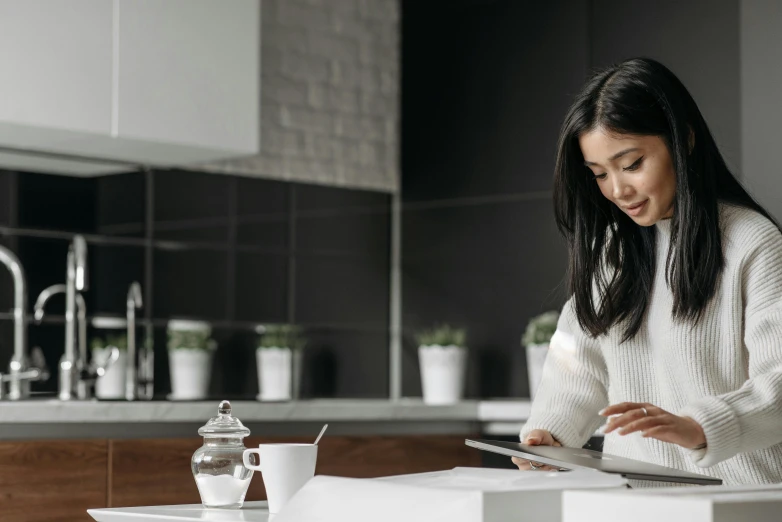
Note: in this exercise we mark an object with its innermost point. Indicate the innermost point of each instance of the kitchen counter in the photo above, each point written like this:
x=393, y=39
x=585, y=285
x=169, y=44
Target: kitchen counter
x=51, y=418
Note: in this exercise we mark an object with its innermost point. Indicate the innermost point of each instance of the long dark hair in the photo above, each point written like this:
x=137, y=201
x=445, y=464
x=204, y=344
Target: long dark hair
x=612, y=259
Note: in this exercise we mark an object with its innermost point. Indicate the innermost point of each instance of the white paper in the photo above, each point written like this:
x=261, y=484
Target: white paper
x=332, y=499
x=457, y=495
x=487, y=479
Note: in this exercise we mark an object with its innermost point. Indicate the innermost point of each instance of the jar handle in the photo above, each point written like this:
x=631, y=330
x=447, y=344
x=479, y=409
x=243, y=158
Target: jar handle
x=246, y=459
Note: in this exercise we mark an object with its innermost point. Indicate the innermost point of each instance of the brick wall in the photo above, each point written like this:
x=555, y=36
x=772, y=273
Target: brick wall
x=329, y=94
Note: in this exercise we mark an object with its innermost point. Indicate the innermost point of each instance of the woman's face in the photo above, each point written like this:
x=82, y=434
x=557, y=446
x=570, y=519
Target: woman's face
x=633, y=172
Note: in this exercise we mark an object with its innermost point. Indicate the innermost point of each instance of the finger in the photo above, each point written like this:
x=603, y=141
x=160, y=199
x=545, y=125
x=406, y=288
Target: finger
x=624, y=419
x=524, y=465
x=538, y=438
x=543, y=467
x=622, y=407
x=644, y=424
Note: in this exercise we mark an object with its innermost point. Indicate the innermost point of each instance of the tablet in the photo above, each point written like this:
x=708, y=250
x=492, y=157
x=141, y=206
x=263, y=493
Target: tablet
x=572, y=458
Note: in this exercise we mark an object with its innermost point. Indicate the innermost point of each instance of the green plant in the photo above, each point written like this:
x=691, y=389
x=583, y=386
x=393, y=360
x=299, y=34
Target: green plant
x=190, y=340
x=540, y=328
x=442, y=335
x=118, y=340
x=281, y=336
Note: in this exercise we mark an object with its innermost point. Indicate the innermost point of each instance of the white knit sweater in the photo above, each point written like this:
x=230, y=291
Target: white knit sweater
x=725, y=371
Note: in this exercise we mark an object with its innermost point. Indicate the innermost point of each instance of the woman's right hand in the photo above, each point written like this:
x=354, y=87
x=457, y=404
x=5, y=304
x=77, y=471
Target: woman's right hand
x=536, y=438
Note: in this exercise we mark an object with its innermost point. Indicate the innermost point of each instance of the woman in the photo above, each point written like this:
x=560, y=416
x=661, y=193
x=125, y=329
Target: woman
x=673, y=329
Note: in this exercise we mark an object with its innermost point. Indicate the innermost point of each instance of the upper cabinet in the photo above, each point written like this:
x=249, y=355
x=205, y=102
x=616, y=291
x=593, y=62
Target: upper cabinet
x=135, y=82
x=55, y=65
x=198, y=79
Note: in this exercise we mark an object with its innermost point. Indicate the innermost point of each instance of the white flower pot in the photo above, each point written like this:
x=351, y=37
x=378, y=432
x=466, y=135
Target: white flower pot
x=112, y=384
x=279, y=372
x=190, y=372
x=442, y=373
x=536, y=358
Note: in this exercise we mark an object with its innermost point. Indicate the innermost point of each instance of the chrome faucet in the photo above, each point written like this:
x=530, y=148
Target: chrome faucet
x=81, y=313
x=85, y=374
x=131, y=377
x=75, y=281
x=19, y=372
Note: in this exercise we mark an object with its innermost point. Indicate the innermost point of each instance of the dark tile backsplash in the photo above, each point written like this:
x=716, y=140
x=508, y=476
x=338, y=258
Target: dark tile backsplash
x=191, y=206
x=233, y=251
x=57, y=203
x=190, y=283
x=342, y=289
x=119, y=212
x=262, y=295
x=112, y=269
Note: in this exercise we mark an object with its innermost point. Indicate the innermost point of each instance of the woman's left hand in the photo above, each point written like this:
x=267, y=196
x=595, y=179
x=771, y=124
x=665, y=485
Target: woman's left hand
x=654, y=422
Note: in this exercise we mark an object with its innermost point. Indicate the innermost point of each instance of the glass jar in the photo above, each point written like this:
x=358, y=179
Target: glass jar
x=220, y=475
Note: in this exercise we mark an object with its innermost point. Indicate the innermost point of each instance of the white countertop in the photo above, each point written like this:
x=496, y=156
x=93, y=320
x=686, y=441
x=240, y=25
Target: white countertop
x=51, y=418
x=333, y=410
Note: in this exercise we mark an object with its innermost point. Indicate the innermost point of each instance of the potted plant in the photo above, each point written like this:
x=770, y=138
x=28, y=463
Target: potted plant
x=278, y=358
x=536, y=340
x=190, y=353
x=113, y=334
x=442, y=354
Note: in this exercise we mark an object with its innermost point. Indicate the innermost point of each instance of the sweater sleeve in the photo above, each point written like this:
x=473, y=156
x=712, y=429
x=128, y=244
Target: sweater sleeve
x=573, y=386
x=750, y=418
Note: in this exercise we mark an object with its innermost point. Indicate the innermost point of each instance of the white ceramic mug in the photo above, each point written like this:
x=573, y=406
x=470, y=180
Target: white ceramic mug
x=285, y=469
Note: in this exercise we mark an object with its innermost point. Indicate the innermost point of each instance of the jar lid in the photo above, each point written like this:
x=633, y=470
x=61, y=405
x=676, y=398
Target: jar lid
x=224, y=425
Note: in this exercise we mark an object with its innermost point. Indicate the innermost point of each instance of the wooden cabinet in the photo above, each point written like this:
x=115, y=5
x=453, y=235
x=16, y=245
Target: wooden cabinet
x=152, y=472
x=155, y=472
x=51, y=481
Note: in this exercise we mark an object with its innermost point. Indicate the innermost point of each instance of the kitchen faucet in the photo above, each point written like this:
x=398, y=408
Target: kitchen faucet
x=19, y=372
x=131, y=376
x=75, y=281
x=85, y=374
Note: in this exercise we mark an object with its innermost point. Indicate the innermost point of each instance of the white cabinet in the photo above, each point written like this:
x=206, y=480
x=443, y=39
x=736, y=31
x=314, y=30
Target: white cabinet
x=138, y=82
x=184, y=74
x=55, y=64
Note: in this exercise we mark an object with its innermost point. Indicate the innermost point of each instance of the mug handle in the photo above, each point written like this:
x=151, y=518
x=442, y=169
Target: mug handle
x=246, y=459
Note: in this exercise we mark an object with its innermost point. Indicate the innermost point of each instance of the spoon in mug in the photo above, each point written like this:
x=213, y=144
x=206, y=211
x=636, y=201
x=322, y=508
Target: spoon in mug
x=321, y=433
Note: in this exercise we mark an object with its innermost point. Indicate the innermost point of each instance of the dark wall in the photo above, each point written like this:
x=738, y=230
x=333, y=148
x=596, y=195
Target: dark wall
x=697, y=39
x=485, y=87
x=233, y=251
x=486, y=84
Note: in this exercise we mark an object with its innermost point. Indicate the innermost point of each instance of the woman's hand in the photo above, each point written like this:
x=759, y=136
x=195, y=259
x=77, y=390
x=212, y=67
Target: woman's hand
x=536, y=438
x=653, y=422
